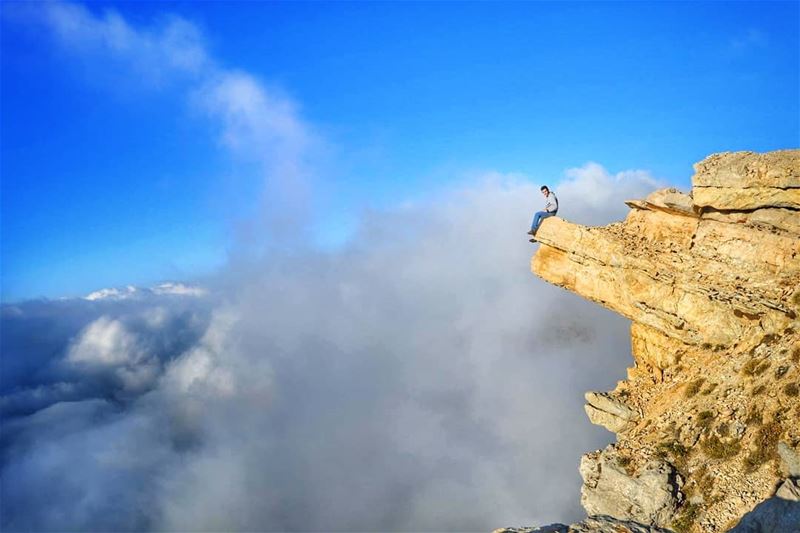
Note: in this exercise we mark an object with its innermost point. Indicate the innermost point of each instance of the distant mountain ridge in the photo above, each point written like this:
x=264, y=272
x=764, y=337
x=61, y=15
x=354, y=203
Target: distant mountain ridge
x=130, y=291
x=708, y=419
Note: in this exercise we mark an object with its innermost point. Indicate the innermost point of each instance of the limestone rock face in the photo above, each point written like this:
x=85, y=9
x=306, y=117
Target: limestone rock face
x=696, y=280
x=607, y=524
x=649, y=496
x=669, y=200
x=603, y=410
x=790, y=460
x=747, y=180
x=711, y=403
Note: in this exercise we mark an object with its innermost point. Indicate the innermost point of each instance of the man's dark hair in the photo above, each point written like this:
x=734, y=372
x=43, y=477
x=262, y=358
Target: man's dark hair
x=544, y=188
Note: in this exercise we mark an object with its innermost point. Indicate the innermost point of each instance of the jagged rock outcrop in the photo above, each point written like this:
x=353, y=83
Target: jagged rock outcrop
x=711, y=282
x=745, y=181
x=649, y=496
x=614, y=415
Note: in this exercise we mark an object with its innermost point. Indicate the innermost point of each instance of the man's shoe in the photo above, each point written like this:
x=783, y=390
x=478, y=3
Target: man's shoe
x=533, y=240
x=531, y=232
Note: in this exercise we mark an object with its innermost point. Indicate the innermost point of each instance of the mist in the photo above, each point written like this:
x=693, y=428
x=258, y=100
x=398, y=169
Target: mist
x=418, y=379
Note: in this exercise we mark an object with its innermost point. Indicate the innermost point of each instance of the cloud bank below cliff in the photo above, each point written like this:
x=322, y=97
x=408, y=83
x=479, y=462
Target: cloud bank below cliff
x=419, y=379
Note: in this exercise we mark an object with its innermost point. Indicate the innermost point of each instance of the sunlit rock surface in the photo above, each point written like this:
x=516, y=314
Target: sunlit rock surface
x=650, y=495
x=711, y=282
x=746, y=180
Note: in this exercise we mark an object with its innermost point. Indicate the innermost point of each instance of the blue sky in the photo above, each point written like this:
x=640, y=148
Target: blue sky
x=141, y=140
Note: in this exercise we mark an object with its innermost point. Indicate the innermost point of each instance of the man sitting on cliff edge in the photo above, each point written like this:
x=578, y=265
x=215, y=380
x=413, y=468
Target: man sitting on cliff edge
x=550, y=209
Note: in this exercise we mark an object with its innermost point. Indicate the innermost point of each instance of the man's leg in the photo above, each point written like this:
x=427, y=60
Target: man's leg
x=537, y=219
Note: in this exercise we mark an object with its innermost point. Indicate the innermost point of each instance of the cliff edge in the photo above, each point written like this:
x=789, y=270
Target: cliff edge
x=707, y=422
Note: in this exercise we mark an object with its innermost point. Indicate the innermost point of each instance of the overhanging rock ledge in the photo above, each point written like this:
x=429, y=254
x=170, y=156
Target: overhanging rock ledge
x=711, y=283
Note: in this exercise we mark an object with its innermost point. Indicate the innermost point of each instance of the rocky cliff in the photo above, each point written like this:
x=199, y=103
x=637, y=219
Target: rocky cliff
x=707, y=421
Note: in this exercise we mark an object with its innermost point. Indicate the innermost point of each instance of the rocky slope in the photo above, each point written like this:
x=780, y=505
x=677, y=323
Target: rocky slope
x=708, y=420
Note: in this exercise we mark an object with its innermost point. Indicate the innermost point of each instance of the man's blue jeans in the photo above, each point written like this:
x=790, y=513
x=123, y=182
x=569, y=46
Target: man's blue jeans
x=537, y=219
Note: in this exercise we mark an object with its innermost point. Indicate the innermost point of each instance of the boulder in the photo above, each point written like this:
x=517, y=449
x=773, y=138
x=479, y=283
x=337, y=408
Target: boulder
x=671, y=200
x=604, y=410
x=790, y=460
x=650, y=496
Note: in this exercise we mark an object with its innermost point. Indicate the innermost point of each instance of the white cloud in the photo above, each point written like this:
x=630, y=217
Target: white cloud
x=419, y=379
x=254, y=119
x=256, y=122
x=156, y=317
x=179, y=289
x=174, y=46
x=107, y=346
x=263, y=125
x=131, y=292
x=112, y=293
x=105, y=342
x=201, y=369
x=590, y=194
x=430, y=382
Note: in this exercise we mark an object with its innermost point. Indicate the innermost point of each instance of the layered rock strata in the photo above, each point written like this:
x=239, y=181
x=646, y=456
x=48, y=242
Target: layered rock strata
x=708, y=420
